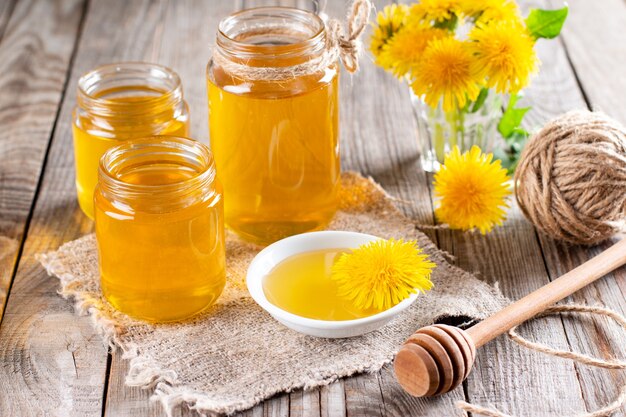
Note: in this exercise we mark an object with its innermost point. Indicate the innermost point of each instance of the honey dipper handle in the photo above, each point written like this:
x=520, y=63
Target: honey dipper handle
x=544, y=297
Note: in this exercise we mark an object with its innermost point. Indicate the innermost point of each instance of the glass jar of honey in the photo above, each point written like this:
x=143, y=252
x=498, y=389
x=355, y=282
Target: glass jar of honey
x=275, y=140
x=119, y=102
x=160, y=228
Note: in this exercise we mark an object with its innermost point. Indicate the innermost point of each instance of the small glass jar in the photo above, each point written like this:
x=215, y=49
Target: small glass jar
x=118, y=102
x=275, y=141
x=159, y=226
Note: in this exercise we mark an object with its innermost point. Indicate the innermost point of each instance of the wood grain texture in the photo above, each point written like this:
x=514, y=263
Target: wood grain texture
x=129, y=401
x=333, y=400
x=6, y=9
x=539, y=300
x=595, y=336
x=594, y=37
x=51, y=362
x=553, y=92
x=49, y=383
x=510, y=256
x=35, y=53
x=556, y=91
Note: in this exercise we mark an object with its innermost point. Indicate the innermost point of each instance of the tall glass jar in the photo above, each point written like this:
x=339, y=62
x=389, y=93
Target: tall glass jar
x=118, y=102
x=159, y=226
x=275, y=141
x=439, y=131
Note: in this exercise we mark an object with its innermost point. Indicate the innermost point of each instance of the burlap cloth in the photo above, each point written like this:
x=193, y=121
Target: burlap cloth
x=236, y=354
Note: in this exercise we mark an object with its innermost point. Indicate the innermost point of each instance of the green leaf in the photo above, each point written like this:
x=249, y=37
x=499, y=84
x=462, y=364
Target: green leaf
x=546, y=23
x=509, y=154
x=514, y=134
x=512, y=118
x=449, y=24
x=480, y=100
x=504, y=157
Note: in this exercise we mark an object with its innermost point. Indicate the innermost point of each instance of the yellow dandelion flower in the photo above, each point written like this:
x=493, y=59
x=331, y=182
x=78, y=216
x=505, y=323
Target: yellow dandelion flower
x=504, y=54
x=382, y=273
x=447, y=70
x=402, y=53
x=491, y=10
x=388, y=23
x=433, y=10
x=472, y=190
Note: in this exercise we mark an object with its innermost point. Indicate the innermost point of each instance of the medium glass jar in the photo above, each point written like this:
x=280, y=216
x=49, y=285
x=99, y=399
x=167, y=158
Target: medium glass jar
x=119, y=102
x=159, y=226
x=275, y=141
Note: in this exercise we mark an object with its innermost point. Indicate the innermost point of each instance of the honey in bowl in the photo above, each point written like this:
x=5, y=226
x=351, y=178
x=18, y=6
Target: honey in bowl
x=302, y=285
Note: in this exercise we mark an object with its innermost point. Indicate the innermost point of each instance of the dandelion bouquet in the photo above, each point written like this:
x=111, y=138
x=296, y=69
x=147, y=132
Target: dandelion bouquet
x=460, y=58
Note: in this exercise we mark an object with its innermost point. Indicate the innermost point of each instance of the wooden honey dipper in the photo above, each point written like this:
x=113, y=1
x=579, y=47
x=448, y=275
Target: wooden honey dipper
x=437, y=358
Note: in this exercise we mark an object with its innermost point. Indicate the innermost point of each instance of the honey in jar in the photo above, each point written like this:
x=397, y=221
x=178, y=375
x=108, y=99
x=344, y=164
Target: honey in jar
x=275, y=141
x=159, y=227
x=119, y=102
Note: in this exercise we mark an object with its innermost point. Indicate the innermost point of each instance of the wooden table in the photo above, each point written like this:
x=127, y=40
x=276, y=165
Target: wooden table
x=53, y=363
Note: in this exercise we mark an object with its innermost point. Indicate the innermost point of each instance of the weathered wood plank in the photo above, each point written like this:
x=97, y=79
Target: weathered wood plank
x=129, y=401
x=6, y=8
x=594, y=37
x=49, y=383
x=50, y=362
x=511, y=257
x=333, y=400
x=35, y=55
x=28, y=350
x=592, y=335
x=557, y=91
x=305, y=403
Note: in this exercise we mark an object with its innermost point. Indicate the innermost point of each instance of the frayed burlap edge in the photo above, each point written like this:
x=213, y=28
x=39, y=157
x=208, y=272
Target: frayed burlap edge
x=148, y=374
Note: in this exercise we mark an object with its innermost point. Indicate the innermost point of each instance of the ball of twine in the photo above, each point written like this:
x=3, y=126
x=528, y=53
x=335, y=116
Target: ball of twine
x=571, y=178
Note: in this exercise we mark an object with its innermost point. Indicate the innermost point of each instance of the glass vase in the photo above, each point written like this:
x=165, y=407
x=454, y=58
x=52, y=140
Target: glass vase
x=438, y=131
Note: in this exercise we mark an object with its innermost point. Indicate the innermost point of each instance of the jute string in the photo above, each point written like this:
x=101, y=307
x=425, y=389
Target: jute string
x=571, y=179
x=577, y=357
x=340, y=43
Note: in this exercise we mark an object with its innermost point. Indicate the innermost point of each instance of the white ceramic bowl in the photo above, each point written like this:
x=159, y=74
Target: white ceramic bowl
x=269, y=257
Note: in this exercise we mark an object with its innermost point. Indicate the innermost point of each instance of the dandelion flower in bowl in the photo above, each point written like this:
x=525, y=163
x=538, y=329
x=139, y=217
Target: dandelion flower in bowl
x=382, y=273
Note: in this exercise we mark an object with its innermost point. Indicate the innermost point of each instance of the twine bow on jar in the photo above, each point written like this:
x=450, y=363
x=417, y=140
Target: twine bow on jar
x=349, y=45
x=341, y=43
